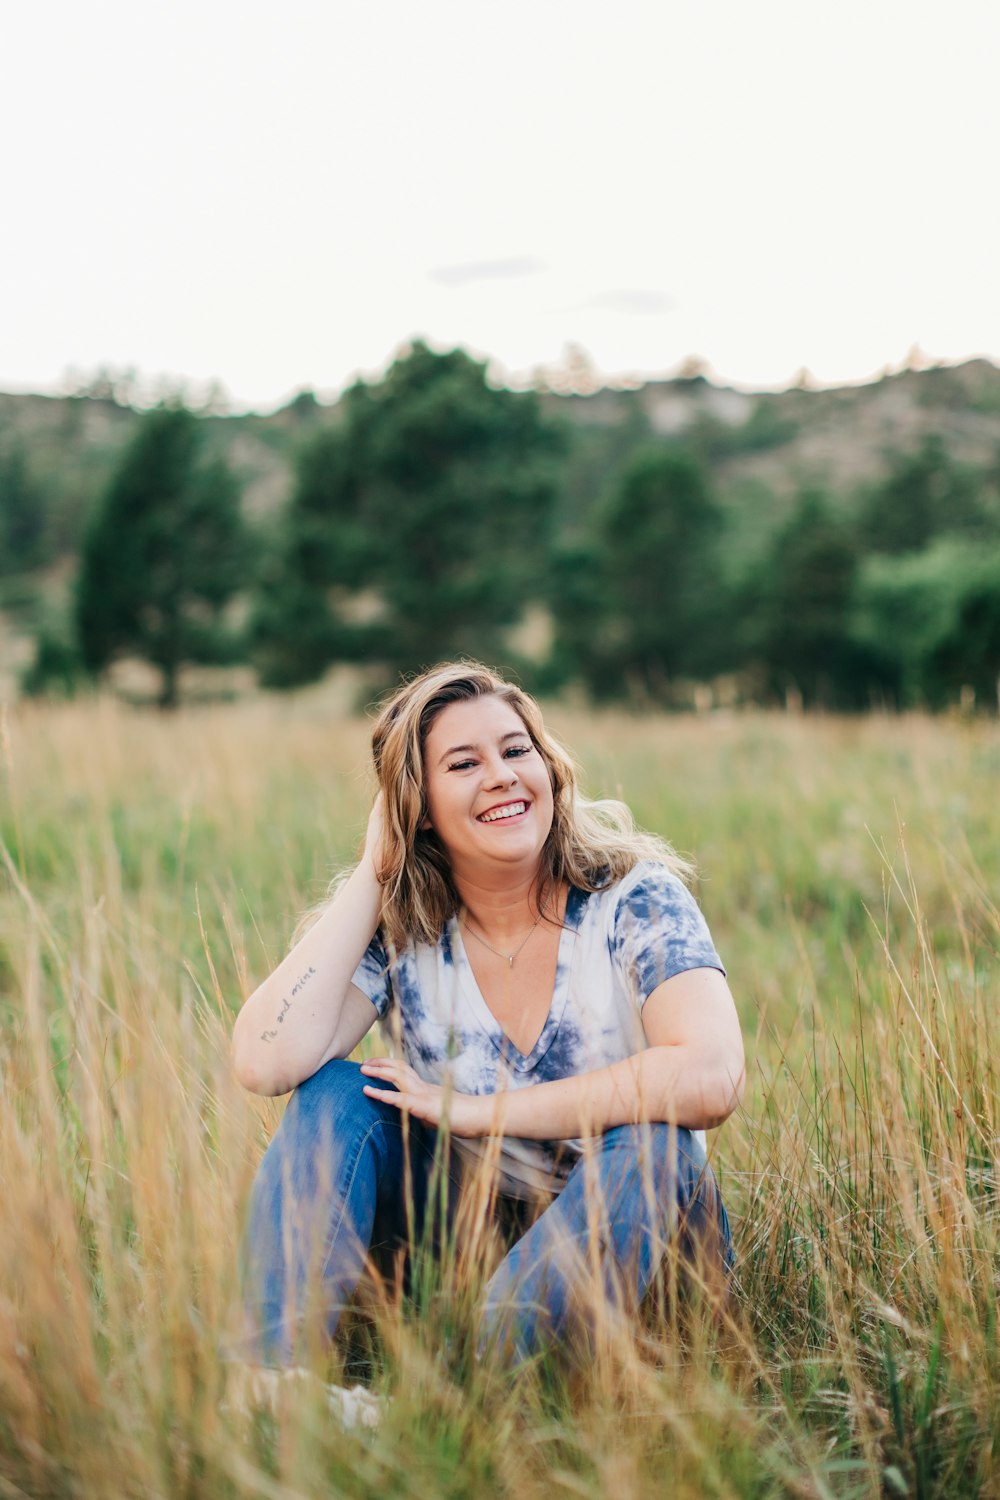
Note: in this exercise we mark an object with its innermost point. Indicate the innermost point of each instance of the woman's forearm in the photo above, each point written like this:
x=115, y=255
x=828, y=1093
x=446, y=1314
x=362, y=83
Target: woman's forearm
x=302, y=1013
x=697, y=1085
x=679, y=1084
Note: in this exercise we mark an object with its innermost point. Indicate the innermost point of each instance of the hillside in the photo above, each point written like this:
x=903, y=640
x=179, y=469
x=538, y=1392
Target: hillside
x=756, y=444
x=757, y=456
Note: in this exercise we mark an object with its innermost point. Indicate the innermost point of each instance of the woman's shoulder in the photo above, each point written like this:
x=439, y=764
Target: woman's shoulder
x=416, y=950
x=657, y=926
x=649, y=880
x=409, y=973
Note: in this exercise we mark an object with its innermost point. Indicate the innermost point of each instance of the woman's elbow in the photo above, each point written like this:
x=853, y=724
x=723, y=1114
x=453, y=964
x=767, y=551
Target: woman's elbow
x=725, y=1091
x=252, y=1071
x=247, y=1073
x=711, y=1088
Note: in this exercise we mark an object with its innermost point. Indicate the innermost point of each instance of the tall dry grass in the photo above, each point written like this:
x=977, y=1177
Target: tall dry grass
x=154, y=868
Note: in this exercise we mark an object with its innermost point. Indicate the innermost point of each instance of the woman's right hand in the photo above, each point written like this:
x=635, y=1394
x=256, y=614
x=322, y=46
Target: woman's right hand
x=374, y=850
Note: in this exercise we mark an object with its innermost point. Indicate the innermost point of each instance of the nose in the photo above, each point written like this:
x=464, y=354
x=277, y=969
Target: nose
x=501, y=773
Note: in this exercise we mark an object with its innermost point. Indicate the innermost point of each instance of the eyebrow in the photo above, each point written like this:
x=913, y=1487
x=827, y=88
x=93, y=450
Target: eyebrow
x=515, y=734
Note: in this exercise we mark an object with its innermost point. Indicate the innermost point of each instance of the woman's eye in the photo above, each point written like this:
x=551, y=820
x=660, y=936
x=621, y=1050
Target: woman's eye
x=515, y=751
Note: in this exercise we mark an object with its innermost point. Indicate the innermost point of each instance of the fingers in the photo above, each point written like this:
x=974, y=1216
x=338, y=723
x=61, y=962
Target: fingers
x=388, y=1068
x=384, y=1096
x=409, y=1092
x=385, y=1070
x=420, y=1109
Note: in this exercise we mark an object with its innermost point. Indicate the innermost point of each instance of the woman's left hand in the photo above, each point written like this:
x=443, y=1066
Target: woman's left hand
x=467, y=1114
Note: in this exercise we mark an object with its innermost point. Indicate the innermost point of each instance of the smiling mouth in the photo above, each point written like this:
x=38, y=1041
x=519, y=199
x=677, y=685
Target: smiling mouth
x=497, y=814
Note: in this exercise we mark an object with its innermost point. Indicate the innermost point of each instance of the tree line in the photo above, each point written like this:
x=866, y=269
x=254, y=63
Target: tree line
x=431, y=518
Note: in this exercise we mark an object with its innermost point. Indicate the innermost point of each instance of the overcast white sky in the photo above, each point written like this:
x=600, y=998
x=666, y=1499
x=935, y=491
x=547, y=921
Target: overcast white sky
x=278, y=195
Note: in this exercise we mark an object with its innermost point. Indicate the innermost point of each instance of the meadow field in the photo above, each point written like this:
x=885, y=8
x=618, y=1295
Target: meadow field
x=153, y=869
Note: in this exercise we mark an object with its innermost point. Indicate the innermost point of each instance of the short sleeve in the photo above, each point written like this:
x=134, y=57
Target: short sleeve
x=372, y=975
x=659, y=931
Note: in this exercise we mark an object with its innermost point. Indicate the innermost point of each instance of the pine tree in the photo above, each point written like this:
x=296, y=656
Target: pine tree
x=800, y=625
x=22, y=515
x=925, y=495
x=418, y=528
x=164, y=553
x=649, y=569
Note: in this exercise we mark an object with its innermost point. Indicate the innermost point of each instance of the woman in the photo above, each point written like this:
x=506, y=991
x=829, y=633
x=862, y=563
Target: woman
x=556, y=1001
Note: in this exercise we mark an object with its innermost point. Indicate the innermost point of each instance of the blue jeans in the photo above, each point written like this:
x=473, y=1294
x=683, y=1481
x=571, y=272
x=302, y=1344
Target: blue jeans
x=345, y=1178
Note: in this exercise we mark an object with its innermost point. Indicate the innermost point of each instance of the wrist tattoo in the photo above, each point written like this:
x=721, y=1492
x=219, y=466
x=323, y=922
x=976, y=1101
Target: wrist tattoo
x=286, y=1004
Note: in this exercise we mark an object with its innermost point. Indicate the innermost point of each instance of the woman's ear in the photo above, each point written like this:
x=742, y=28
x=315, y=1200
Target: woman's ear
x=425, y=825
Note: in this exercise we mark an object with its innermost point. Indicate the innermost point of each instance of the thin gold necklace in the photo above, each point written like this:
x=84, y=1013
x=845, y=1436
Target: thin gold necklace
x=510, y=957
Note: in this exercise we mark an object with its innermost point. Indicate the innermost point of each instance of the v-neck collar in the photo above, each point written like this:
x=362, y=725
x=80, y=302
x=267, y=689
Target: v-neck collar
x=522, y=1062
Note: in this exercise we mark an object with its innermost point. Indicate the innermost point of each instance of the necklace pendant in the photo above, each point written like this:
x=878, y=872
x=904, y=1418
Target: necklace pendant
x=510, y=960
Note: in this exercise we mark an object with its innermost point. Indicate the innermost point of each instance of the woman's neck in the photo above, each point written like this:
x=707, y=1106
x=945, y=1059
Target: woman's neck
x=503, y=910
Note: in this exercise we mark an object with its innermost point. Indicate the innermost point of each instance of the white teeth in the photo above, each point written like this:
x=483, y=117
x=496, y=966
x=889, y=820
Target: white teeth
x=510, y=811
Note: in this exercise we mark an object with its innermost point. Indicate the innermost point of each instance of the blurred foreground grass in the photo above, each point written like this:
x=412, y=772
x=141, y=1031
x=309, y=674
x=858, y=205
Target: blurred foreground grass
x=848, y=870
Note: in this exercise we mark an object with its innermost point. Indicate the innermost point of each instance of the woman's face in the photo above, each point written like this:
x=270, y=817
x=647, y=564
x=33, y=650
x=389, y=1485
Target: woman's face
x=489, y=796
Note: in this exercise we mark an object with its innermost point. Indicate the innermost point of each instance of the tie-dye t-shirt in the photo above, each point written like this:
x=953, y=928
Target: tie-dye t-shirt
x=617, y=946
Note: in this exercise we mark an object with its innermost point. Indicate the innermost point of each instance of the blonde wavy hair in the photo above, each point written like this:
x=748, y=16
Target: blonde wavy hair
x=591, y=843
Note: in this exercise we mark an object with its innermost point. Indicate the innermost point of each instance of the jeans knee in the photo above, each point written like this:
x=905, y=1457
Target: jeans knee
x=668, y=1168
x=666, y=1152
x=326, y=1123
x=692, y=1185
x=333, y=1101
x=336, y=1082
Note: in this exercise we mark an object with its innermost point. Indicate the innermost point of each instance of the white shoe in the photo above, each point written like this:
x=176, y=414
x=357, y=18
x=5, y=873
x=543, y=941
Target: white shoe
x=253, y=1388
x=356, y=1407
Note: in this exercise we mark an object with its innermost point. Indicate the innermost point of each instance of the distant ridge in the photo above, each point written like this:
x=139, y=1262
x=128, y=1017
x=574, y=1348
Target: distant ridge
x=753, y=443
